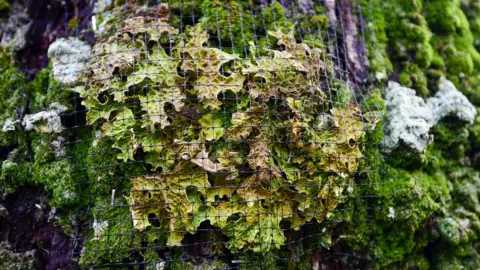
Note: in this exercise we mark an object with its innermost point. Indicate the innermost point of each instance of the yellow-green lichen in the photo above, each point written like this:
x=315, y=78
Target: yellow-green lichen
x=172, y=110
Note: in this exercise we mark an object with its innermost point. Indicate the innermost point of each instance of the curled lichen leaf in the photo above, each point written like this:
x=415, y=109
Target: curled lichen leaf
x=166, y=196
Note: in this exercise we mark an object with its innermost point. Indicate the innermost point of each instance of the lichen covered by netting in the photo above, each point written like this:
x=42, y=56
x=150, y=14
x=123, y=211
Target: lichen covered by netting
x=237, y=113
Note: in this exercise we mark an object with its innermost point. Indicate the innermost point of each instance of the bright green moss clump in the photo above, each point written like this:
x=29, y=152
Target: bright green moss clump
x=376, y=39
x=112, y=238
x=409, y=42
x=46, y=90
x=456, y=43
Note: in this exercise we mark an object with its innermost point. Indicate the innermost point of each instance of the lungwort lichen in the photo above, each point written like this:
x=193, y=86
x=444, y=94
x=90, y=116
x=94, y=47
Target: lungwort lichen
x=244, y=141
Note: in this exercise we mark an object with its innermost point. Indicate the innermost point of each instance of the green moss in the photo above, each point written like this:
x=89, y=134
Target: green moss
x=455, y=41
x=281, y=259
x=405, y=218
x=237, y=22
x=471, y=9
x=441, y=16
x=56, y=178
x=45, y=90
x=420, y=204
x=243, y=22
x=426, y=214
x=273, y=18
x=104, y=171
x=449, y=231
x=46, y=171
x=409, y=42
x=14, y=175
x=115, y=241
x=407, y=201
x=464, y=256
x=13, y=94
x=341, y=94
x=450, y=138
x=404, y=158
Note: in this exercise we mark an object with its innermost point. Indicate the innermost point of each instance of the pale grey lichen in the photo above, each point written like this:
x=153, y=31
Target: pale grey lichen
x=45, y=121
x=391, y=213
x=102, y=27
x=448, y=101
x=408, y=119
x=9, y=125
x=102, y=5
x=99, y=227
x=13, y=32
x=58, y=146
x=69, y=56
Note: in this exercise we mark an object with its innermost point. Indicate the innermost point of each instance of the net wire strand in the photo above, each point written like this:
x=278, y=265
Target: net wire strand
x=340, y=74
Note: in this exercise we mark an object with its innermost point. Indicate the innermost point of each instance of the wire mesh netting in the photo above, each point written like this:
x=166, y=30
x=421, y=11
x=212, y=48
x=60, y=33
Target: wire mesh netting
x=206, y=132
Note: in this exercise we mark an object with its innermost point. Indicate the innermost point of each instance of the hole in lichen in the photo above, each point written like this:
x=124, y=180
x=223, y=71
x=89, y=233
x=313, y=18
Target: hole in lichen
x=191, y=191
x=132, y=91
x=226, y=68
x=233, y=217
x=278, y=109
x=351, y=142
x=168, y=50
x=260, y=81
x=116, y=71
x=153, y=219
x=168, y=107
x=225, y=73
x=211, y=179
x=151, y=44
x=191, y=113
x=213, y=41
x=245, y=171
x=102, y=98
x=228, y=99
x=262, y=202
x=181, y=72
x=284, y=224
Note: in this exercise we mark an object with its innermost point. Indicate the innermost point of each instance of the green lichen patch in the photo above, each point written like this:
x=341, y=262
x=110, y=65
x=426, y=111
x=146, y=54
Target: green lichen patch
x=244, y=140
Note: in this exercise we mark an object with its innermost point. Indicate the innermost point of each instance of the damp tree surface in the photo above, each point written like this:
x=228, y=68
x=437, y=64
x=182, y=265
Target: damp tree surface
x=239, y=134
